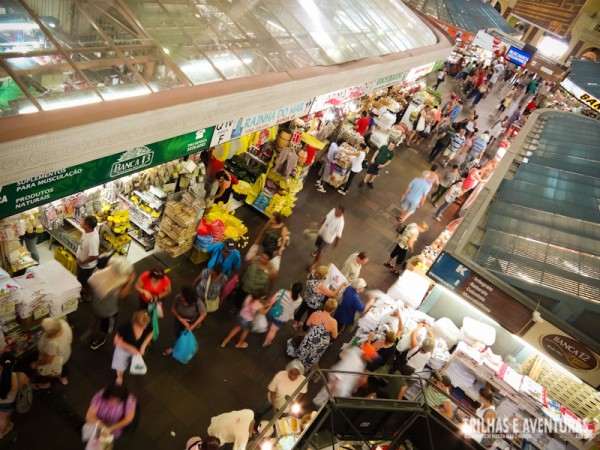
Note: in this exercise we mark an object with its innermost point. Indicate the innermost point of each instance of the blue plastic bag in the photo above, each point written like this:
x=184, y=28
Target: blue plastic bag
x=186, y=347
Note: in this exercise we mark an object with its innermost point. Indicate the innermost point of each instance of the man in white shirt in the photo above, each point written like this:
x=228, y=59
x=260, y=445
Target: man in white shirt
x=234, y=427
x=87, y=255
x=281, y=388
x=356, y=168
x=329, y=233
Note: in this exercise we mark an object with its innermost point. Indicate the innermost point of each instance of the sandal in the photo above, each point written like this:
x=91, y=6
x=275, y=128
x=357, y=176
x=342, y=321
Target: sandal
x=9, y=428
x=168, y=352
x=224, y=344
x=242, y=345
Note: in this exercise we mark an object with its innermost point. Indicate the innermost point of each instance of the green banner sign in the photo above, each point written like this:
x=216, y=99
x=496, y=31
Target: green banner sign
x=36, y=191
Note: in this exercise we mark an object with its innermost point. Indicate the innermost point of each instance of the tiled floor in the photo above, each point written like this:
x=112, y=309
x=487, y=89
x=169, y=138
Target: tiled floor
x=178, y=401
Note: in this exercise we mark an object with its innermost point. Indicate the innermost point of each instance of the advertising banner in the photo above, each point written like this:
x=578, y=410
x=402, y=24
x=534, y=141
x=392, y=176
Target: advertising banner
x=555, y=16
x=243, y=126
x=478, y=291
x=491, y=43
x=42, y=189
x=517, y=56
x=568, y=352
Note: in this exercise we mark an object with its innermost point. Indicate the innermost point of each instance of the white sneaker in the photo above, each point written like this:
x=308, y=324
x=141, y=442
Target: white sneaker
x=320, y=188
x=341, y=191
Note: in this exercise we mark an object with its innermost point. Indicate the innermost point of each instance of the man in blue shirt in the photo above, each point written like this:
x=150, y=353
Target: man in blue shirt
x=226, y=254
x=413, y=197
x=351, y=304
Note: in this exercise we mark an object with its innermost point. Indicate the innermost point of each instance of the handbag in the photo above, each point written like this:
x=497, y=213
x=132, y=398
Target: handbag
x=276, y=309
x=230, y=286
x=53, y=369
x=212, y=304
x=186, y=347
x=138, y=365
x=24, y=396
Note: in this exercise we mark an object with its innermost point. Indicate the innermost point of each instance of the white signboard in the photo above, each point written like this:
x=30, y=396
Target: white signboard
x=343, y=95
x=418, y=72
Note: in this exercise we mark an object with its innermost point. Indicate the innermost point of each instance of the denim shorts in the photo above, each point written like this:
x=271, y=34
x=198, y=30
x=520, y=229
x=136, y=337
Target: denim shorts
x=245, y=324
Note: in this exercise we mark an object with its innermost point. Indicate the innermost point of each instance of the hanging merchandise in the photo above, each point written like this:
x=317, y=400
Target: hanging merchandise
x=223, y=224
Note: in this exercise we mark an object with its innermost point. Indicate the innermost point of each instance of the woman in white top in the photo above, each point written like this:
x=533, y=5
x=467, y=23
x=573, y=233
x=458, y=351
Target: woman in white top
x=54, y=350
x=283, y=305
x=487, y=410
x=356, y=168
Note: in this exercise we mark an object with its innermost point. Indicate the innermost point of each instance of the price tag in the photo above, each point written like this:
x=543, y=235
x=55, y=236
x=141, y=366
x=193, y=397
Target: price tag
x=41, y=312
x=6, y=308
x=70, y=304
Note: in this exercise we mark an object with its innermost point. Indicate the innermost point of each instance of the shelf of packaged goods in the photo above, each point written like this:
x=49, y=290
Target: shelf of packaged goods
x=75, y=225
x=145, y=229
x=135, y=207
x=147, y=244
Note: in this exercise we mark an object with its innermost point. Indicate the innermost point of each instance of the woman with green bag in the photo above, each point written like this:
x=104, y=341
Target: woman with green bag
x=209, y=287
x=189, y=312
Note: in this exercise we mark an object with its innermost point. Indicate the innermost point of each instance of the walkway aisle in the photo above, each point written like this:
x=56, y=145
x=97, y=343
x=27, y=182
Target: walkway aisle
x=181, y=399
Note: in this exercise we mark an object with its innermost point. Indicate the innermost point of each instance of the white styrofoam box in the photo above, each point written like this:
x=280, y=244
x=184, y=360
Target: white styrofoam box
x=445, y=329
x=386, y=120
x=478, y=331
x=410, y=289
x=378, y=138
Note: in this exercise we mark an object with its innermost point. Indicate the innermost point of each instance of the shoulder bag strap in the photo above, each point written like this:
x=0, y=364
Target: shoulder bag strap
x=207, y=287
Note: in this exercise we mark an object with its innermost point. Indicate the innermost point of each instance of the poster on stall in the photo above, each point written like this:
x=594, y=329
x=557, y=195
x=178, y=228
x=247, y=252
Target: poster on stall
x=566, y=351
x=45, y=188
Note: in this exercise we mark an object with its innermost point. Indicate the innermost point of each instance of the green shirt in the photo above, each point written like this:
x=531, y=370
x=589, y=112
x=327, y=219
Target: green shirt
x=447, y=138
x=434, y=397
x=384, y=154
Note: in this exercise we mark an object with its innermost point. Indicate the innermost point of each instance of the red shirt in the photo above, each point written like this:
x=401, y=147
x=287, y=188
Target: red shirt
x=154, y=289
x=362, y=125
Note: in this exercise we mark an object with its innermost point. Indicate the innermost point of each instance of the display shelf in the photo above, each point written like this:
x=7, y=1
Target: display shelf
x=256, y=158
x=136, y=207
x=148, y=244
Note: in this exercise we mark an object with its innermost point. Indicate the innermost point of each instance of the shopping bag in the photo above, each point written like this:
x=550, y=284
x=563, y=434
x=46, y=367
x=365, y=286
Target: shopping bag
x=89, y=431
x=230, y=286
x=160, y=310
x=24, y=396
x=185, y=347
x=212, y=304
x=260, y=323
x=138, y=365
x=153, y=310
x=311, y=231
x=252, y=252
x=52, y=369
